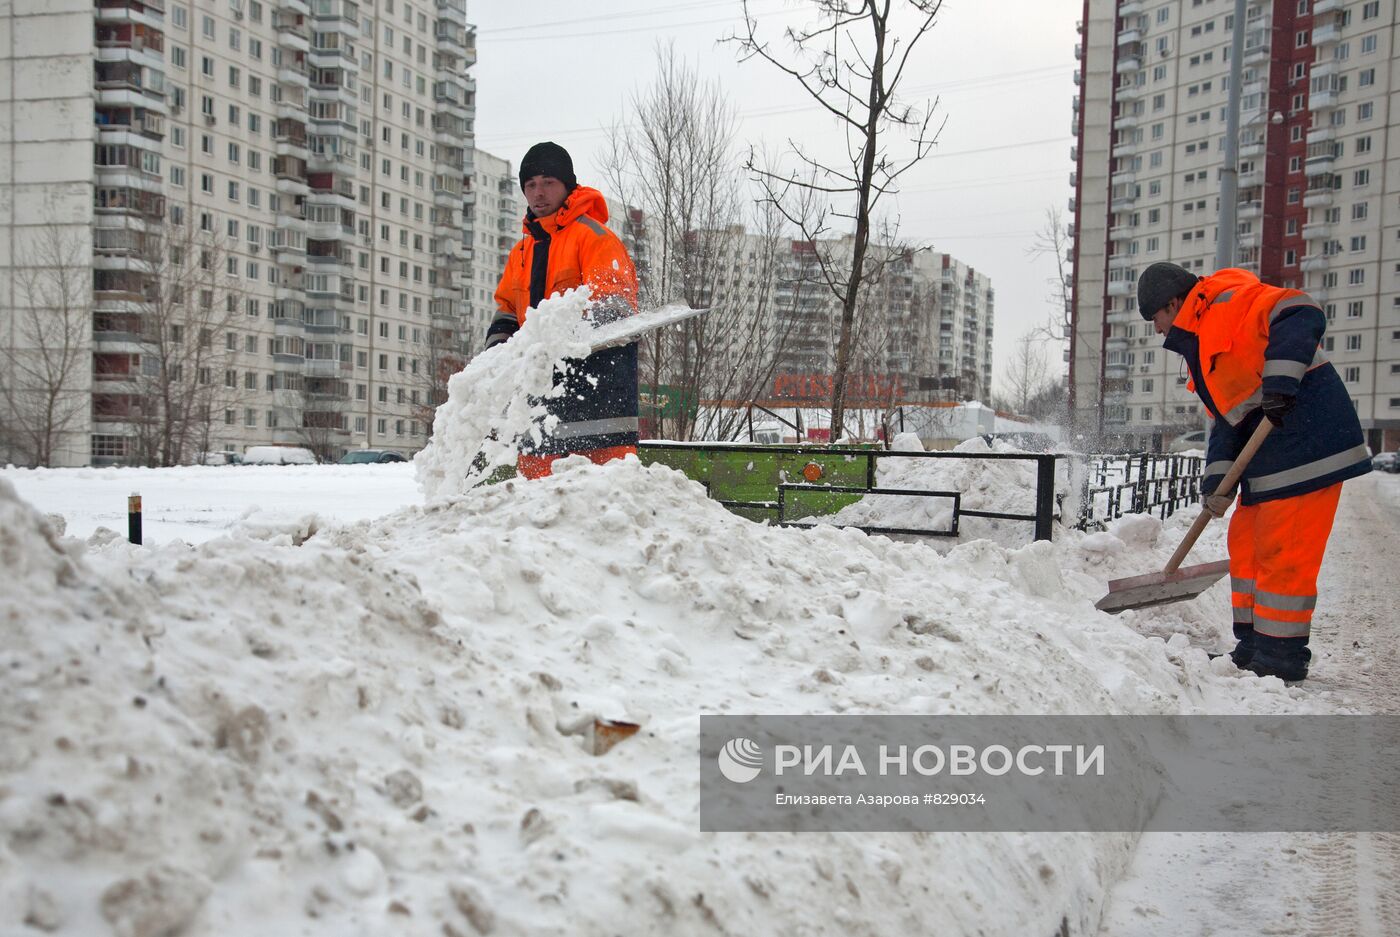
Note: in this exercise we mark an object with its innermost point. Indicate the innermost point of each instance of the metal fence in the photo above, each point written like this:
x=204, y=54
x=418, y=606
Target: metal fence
x=854, y=472
x=752, y=480
x=1145, y=483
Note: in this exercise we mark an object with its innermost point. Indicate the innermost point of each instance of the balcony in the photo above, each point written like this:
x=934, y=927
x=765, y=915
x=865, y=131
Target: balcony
x=294, y=75
x=1326, y=6
x=1129, y=62
x=1315, y=262
x=150, y=14
x=1321, y=157
x=1322, y=100
x=1322, y=135
x=451, y=35
x=323, y=367
x=1125, y=121
x=1250, y=210
x=294, y=36
x=1316, y=231
x=1122, y=233
x=288, y=326
x=1247, y=240
x=1130, y=92
x=1253, y=177
x=1326, y=35
x=1327, y=69
x=1122, y=288
x=1252, y=150
x=1122, y=203
x=1131, y=7
x=1318, y=198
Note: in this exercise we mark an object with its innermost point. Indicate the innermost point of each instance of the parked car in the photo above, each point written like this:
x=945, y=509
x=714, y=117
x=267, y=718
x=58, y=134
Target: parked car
x=1386, y=462
x=225, y=457
x=1188, y=442
x=278, y=455
x=365, y=456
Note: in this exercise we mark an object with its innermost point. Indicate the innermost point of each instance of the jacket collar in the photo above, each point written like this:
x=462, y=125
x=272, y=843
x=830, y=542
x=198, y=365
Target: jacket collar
x=1211, y=290
x=582, y=201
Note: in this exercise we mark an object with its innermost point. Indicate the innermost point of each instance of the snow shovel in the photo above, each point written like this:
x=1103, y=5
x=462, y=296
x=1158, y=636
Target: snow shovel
x=1173, y=584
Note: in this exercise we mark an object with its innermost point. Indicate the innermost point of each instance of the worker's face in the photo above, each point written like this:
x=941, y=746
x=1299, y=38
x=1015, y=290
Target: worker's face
x=544, y=195
x=1162, y=320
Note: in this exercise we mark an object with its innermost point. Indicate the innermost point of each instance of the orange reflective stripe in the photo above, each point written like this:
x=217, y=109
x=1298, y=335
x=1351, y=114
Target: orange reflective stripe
x=540, y=466
x=1279, y=614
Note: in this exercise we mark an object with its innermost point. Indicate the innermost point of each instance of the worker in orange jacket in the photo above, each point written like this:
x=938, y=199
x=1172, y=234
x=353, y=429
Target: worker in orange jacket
x=566, y=245
x=1254, y=353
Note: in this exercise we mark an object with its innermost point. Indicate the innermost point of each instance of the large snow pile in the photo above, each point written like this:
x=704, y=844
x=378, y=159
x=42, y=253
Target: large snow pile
x=498, y=398
x=387, y=727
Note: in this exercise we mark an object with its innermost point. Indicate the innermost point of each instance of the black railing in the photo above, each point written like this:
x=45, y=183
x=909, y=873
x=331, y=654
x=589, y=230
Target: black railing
x=1043, y=517
x=1138, y=484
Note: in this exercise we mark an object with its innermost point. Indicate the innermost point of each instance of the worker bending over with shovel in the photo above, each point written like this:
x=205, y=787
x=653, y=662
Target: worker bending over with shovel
x=1254, y=354
x=567, y=244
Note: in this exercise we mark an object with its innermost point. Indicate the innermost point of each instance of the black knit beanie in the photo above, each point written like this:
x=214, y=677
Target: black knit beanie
x=1159, y=284
x=548, y=159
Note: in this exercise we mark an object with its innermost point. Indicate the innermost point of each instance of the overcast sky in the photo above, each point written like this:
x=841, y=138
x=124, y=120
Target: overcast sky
x=563, y=70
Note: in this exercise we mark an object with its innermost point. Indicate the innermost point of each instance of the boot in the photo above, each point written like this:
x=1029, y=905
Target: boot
x=1244, y=646
x=1285, y=658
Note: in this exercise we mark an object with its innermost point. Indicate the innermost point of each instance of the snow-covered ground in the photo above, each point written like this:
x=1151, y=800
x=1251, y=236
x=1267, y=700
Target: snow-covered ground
x=379, y=726
x=316, y=702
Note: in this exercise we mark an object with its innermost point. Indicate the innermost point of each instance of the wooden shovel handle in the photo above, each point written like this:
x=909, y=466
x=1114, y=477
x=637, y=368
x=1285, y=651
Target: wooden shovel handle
x=1227, y=484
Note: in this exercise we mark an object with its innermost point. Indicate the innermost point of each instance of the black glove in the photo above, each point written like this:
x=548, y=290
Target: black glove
x=1278, y=406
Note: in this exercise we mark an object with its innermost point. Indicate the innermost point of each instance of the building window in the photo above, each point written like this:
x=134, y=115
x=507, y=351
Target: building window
x=1290, y=258
x=1355, y=308
x=1352, y=375
x=1353, y=343
x=1357, y=276
x=1361, y=178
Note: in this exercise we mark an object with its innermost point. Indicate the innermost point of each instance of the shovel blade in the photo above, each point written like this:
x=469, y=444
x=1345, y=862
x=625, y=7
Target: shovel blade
x=1161, y=588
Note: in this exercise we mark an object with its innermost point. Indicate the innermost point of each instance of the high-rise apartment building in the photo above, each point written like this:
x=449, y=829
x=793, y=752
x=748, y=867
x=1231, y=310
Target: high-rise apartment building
x=495, y=223
x=273, y=198
x=925, y=321
x=1318, y=200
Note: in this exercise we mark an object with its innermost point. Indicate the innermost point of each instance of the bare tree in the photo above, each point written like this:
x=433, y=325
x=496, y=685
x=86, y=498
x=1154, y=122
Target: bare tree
x=851, y=64
x=446, y=356
x=47, y=352
x=675, y=165
x=1053, y=240
x=1026, y=374
x=184, y=303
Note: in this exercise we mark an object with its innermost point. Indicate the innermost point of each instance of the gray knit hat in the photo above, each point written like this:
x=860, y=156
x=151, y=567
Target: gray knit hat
x=1159, y=284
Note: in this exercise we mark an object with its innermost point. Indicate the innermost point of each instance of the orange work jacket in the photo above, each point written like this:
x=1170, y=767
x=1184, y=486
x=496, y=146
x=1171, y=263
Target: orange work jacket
x=581, y=250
